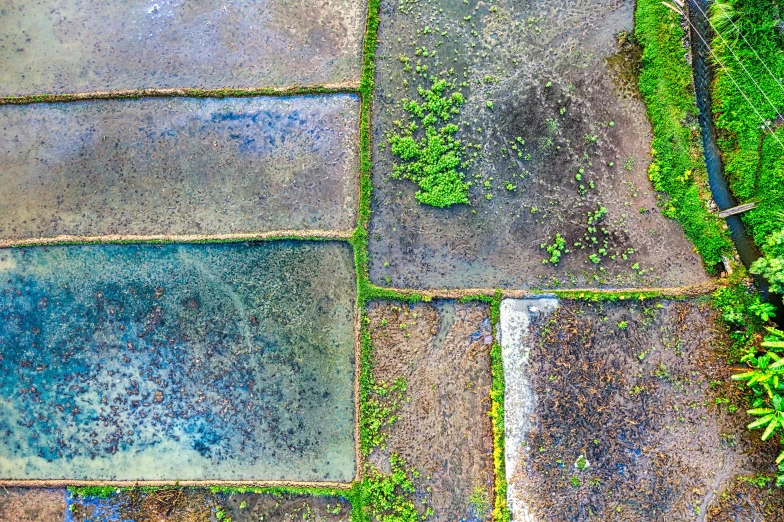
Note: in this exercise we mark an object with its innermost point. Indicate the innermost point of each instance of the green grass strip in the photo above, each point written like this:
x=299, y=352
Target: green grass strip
x=752, y=155
x=500, y=508
x=678, y=168
x=360, y=238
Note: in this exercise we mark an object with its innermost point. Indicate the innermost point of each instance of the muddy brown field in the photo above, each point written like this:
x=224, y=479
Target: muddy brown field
x=641, y=392
x=198, y=505
x=552, y=110
x=442, y=351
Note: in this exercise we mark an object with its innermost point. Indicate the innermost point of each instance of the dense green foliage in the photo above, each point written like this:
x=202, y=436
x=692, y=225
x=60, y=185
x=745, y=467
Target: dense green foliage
x=389, y=497
x=753, y=156
x=748, y=97
x=766, y=380
x=678, y=168
x=772, y=265
x=429, y=153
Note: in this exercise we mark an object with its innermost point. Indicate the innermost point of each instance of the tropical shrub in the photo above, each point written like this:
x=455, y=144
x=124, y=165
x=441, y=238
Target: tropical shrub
x=771, y=267
x=766, y=380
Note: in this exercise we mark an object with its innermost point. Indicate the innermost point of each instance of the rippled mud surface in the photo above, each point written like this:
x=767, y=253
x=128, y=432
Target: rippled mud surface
x=178, y=166
x=226, y=361
x=554, y=132
x=71, y=46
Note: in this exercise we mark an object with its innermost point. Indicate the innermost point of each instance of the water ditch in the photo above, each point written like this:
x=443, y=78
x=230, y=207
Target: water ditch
x=703, y=76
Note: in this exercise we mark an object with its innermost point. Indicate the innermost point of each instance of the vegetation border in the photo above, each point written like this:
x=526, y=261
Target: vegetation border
x=298, y=235
x=135, y=94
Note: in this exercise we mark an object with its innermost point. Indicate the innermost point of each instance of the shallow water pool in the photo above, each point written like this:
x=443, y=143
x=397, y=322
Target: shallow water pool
x=187, y=362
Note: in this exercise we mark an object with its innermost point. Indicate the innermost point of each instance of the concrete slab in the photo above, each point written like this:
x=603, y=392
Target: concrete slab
x=72, y=46
x=519, y=399
x=182, y=166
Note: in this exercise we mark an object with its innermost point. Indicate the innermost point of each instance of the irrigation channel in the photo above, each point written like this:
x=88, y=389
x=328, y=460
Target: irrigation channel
x=703, y=76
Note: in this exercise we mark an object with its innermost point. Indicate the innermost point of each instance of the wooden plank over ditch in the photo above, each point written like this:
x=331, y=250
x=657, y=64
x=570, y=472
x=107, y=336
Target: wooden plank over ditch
x=736, y=210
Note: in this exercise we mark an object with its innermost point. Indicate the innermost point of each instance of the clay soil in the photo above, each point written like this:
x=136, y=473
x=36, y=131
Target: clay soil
x=196, y=505
x=32, y=505
x=641, y=391
x=561, y=77
x=442, y=350
x=746, y=502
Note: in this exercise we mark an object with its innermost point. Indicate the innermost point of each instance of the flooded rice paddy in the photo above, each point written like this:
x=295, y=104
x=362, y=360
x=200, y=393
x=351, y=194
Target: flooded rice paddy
x=72, y=46
x=181, y=166
x=178, y=362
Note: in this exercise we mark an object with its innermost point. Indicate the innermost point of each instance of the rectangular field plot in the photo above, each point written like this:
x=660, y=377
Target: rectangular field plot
x=72, y=46
x=182, y=166
x=625, y=411
x=194, y=504
x=178, y=362
x=433, y=360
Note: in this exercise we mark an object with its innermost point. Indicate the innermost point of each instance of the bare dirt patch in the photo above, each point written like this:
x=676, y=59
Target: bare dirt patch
x=86, y=46
x=443, y=430
x=746, y=502
x=34, y=505
x=553, y=134
x=198, y=505
x=641, y=393
x=183, y=166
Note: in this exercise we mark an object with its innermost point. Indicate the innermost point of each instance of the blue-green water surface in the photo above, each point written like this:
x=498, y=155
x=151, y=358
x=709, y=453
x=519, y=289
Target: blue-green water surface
x=177, y=362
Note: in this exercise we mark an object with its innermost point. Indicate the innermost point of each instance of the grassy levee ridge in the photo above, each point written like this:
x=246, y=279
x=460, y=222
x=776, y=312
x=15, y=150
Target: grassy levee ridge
x=748, y=99
x=678, y=168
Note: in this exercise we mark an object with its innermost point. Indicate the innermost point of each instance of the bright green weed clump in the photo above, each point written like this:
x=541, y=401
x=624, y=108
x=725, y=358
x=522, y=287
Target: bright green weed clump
x=556, y=249
x=429, y=154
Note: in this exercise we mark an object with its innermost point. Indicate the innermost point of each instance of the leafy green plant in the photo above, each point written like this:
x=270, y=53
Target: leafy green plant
x=765, y=311
x=556, y=249
x=388, y=497
x=581, y=463
x=380, y=411
x=766, y=379
x=427, y=150
x=771, y=267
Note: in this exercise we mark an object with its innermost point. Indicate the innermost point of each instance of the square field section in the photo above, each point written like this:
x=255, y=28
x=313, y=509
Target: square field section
x=178, y=362
x=182, y=166
x=622, y=411
x=73, y=46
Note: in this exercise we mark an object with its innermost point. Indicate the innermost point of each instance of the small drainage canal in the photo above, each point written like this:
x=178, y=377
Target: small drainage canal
x=747, y=250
